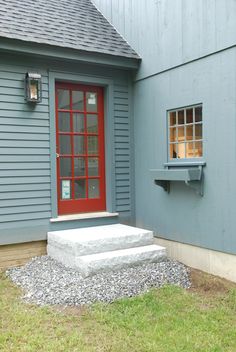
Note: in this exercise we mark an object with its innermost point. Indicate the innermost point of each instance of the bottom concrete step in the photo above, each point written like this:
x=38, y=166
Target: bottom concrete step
x=94, y=263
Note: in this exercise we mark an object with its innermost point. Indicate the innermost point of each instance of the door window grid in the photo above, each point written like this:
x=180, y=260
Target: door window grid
x=185, y=133
x=90, y=188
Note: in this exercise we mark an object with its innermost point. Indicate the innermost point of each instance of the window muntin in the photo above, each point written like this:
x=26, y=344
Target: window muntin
x=185, y=133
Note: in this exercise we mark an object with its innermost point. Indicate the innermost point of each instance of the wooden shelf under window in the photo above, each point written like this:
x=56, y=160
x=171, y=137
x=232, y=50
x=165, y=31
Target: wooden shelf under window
x=192, y=176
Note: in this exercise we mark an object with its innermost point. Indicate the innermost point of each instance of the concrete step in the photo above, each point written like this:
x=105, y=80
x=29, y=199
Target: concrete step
x=99, y=239
x=92, y=264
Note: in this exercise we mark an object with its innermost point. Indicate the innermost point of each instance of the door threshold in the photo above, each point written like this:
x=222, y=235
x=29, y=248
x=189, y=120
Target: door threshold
x=84, y=216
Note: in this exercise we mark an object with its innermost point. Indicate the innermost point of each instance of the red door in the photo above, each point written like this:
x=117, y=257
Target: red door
x=80, y=148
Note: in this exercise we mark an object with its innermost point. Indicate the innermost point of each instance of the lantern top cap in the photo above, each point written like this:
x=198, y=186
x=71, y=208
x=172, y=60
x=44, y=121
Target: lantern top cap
x=33, y=75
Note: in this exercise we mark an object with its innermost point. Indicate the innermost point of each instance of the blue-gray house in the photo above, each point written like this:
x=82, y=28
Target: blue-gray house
x=97, y=129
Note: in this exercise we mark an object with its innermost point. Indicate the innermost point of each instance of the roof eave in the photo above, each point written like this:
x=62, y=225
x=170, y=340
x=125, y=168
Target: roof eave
x=58, y=52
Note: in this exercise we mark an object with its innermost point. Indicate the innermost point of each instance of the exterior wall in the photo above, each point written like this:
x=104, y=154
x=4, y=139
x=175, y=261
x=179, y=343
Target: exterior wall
x=182, y=215
x=27, y=190
x=168, y=33
x=188, y=49
x=213, y=262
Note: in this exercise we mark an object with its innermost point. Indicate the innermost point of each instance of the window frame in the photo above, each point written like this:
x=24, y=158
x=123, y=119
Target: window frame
x=179, y=161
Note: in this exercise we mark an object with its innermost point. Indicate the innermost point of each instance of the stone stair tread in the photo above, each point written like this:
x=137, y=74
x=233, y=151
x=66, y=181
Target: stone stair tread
x=91, y=240
x=94, y=263
x=122, y=252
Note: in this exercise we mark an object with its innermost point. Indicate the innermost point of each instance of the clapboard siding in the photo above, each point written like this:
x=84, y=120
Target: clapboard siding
x=11, y=83
x=14, y=196
x=23, y=201
x=23, y=122
x=24, y=149
x=24, y=144
x=122, y=148
x=25, y=187
x=11, y=150
x=28, y=216
x=25, y=165
x=24, y=136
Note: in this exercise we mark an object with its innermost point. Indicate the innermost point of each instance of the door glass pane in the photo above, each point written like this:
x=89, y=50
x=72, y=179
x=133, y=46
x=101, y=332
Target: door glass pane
x=92, y=145
x=79, y=167
x=91, y=102
x=93, y=166
x=65, y=167
x=198, y=131
x=80, y=189
x=77, y=100
x=93, y=188
x=79, y=145
x=64, y=145
x=65, y=189
x=64, y=121
x=78, y=122
x=63, y=99
x=92, y=123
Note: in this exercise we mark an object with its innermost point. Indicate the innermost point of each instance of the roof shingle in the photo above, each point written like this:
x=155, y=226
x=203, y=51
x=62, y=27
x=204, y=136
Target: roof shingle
x=75, y=24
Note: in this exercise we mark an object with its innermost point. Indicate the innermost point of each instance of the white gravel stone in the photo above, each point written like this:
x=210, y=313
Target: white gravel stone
x=47, y=282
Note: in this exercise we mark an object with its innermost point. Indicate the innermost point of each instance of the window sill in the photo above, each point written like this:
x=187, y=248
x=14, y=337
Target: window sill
x=84, y=216
x=185, y=163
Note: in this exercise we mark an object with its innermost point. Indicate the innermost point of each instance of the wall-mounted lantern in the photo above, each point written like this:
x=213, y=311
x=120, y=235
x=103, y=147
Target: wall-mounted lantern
x=33, y=87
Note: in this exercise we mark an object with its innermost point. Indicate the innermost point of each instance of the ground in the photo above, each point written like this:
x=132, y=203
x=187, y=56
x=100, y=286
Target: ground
x=170, y=319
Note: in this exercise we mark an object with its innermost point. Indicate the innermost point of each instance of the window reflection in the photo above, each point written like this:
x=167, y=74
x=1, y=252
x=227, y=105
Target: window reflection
x=185, y=140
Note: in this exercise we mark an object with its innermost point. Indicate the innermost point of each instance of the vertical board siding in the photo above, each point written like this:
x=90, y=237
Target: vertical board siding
x=24, y=150
x=167, y=33
x=122, y=149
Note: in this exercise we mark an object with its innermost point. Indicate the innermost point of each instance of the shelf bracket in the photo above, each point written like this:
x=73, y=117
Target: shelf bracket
x=192, y=176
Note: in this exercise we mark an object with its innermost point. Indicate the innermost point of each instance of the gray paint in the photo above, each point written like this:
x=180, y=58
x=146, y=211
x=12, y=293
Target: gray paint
x=181, y=215
x=188, y=49
x=167, y=33
x=27, y=146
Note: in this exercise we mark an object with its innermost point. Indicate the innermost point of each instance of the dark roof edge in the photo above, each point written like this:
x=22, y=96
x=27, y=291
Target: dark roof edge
x=59, y=52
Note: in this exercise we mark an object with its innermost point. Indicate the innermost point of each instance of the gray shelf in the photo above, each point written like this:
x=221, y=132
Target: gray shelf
x=192, y=176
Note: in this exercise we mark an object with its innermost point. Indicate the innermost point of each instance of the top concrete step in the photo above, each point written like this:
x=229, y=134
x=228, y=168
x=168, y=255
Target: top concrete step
x=99, y=239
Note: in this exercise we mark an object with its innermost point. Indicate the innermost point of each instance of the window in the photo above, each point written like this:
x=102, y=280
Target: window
x=185, y=133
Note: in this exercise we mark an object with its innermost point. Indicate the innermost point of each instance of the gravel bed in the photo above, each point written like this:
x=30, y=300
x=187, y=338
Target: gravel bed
x=47, y=282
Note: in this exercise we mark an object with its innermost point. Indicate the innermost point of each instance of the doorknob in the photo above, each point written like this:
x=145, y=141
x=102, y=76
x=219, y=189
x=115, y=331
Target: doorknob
x=57, y=155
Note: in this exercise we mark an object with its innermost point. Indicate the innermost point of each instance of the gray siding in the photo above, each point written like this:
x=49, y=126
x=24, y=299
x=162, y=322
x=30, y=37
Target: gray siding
x=182, y=215
x=166, y=33
x=122, y=149
x=26, y=188
x=188, y=49
x=24, y=150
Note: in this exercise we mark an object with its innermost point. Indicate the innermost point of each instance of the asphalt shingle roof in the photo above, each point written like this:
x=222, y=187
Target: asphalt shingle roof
x=75, y=24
